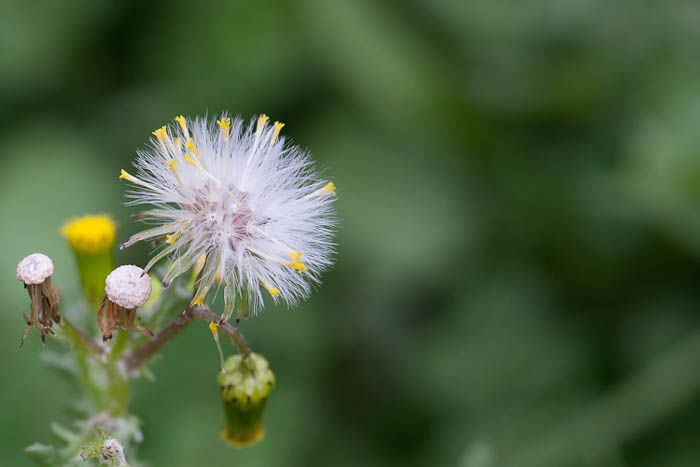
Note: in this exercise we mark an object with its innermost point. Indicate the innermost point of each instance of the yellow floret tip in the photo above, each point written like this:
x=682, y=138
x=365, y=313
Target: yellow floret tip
x=213, y=327
x=225, y=125
x=276, y=131
x=161, y=133
x=262, y=120
x=190, y=145
x=172, y=165
x=274, y=291
x=297, y=266
x=189, y=159
x=182, y=122
x=199, y=300
x=90, y=234
x=124, y=175
x=170, y=239
x=296, y=255
x=329, y=188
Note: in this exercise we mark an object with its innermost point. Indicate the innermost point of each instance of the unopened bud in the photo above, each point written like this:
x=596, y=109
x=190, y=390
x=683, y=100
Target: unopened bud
x=245, y=383
x=126, y=288
x=35, y=272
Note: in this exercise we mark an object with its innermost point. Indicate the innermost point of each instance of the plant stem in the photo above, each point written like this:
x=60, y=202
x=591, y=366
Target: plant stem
x=238, y=339
x=80, y=339
x=144, y=353
x=118, y=388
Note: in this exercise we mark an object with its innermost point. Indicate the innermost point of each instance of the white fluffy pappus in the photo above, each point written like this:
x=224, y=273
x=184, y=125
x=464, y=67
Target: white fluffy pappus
x=237, y=198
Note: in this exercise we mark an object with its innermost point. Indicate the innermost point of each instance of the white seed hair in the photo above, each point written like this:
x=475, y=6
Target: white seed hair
x=128, y=286
x=236, y=194
x=35, y=269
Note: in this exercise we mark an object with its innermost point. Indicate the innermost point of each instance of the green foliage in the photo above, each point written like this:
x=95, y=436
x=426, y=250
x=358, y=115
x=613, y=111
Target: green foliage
x=516, y=279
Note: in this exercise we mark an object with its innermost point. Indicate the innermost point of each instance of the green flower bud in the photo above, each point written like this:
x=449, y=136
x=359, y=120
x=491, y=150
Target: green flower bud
x=92, y=240
x=245, y=383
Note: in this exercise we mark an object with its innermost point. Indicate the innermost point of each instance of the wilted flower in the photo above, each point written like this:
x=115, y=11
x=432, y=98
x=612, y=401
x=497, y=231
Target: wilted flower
x=237, y=195
x=112, y=453
x=35, y=272
x=126, y=289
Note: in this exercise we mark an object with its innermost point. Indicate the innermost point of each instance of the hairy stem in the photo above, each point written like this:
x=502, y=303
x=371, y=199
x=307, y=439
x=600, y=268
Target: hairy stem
x=238, y=339
x=79, y=338
x=118, y=388
x=144, y=353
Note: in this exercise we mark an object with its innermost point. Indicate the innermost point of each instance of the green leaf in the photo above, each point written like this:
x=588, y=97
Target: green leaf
x=43, y=454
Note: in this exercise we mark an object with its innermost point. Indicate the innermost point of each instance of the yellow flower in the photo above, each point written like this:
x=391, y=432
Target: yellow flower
x=92, y=240
x=90, y=234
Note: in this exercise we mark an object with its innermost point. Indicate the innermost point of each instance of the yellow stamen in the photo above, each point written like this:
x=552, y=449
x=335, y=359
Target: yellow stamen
x=276, y=131
x=262, y=120
x=178, y=143
x=328, y=189
x=274, y=291
x=172, y=165
x=296, y=265
x=170, y=239
x=189, y=159
x=191, y=147
x=124, y=175
x=225, y=126
x=296, y=255
x=213, y=327
x=199, y=300
x=182, y=122
x=201, y=294
x=161, y=134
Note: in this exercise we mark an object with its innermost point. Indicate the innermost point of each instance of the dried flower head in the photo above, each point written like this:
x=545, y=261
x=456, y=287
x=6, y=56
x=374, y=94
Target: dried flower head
x=35, y=272
x=126, y=288
x=112, y=453
x=240, y=197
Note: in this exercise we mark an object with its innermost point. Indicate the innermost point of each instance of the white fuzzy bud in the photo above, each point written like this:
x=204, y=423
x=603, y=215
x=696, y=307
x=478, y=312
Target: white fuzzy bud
x=128, y=286
x=112, y=453
x=35, y=269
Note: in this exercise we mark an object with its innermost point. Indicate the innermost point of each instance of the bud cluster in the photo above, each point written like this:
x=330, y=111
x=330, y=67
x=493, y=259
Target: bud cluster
x=245, y=383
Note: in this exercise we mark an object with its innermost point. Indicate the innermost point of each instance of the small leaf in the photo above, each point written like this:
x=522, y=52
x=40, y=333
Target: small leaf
x=64, y=434
x=41, y=453
x=94, y=449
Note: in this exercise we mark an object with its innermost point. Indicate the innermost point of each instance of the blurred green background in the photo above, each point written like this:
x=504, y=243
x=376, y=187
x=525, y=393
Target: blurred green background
x=518, y=183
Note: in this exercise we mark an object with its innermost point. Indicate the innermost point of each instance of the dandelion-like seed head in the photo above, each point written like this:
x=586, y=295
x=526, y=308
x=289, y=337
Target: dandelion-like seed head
x=238, y=196
x=35, y=269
